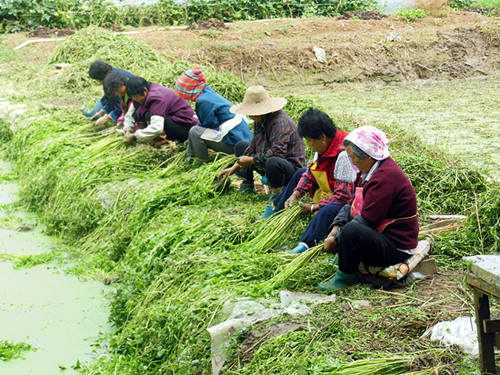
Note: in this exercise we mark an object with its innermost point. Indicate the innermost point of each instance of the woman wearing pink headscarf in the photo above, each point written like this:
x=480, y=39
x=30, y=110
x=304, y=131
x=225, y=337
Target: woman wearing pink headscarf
x=379, y=227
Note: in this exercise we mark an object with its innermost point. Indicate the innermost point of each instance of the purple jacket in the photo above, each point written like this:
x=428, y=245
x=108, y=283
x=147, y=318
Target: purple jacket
x=389, y=195
x=162, y=101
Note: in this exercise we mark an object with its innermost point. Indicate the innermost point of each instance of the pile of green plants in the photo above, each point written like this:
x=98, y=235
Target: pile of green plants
x=181, y=246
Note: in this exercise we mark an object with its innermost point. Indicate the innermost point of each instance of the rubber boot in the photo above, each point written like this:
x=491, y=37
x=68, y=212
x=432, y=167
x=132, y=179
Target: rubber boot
x=299, y=249
x=89, y=113
x=339, y=281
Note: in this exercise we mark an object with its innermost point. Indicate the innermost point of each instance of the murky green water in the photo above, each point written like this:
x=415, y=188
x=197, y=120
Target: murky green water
x=59, y=315
x=460, y=117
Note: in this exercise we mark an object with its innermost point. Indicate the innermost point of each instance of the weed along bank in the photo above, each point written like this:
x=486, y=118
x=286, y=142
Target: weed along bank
x=197, y=282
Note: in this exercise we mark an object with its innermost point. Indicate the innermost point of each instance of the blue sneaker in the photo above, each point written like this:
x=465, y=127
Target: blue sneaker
x=299, y=249
x=91, y=112
x=267, y=213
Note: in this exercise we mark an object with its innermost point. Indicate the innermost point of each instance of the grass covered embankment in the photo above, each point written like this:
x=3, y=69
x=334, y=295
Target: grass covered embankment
x=181, y=248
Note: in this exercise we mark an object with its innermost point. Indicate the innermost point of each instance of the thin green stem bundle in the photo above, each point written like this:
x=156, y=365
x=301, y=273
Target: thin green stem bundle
x=272, y=235
x=291, y=268
x=373, y=366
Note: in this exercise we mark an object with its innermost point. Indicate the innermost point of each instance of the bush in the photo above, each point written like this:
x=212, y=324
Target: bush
x=410, y=15
x=21, y=15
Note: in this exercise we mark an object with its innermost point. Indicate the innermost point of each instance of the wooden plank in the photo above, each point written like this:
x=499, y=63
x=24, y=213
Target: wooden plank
x=485, y=340
x=485, y=267
x=482, y=285
x=491, y=325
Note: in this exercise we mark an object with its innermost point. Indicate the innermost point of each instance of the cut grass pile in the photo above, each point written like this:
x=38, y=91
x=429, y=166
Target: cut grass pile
x=181, y=246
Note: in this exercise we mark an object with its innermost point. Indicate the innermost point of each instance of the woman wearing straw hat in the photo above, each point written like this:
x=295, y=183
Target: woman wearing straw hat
x=276, y=150
x=379, y=227
x=219, y=129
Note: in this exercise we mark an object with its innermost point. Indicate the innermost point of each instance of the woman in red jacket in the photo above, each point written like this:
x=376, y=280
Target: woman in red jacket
x=379, y=227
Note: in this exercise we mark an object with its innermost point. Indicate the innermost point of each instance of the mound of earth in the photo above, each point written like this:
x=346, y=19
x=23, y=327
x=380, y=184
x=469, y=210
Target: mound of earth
x=211, y=24
x=44, y=32
x=454, y=45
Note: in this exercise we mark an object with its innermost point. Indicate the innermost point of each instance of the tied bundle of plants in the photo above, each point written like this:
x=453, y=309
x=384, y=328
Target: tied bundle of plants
x=370, y=366
x=291, y=268
x=277, y=227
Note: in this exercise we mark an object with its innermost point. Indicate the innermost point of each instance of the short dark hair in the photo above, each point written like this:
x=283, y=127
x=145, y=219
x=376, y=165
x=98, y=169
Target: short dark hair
x=313, y=123
x=137, y=85
x=112, y=82
x=356, y=150
x=99, y=70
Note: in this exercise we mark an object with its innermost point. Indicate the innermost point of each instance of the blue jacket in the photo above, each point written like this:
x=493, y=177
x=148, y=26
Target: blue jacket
x=112, y=105
x=212, y=110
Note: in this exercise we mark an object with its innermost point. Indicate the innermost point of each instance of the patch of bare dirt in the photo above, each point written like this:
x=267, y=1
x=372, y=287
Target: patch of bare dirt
x=44, y=32
x=254, y=338
x=455, y=45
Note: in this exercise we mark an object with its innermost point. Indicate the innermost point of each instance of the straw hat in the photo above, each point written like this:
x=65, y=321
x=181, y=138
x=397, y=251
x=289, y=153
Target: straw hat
x=257, y=102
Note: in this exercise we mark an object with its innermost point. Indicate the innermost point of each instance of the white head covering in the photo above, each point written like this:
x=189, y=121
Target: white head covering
x=371, y=140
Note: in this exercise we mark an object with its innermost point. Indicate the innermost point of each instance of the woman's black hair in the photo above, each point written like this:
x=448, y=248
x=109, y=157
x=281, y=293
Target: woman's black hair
x=137, y=85
x=356, y=150
x=313, y=123
x=112, y=82
x=99, y=70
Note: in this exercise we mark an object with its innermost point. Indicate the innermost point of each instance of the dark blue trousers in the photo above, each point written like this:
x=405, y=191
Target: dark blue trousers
x=279, y=201
x=319, y=226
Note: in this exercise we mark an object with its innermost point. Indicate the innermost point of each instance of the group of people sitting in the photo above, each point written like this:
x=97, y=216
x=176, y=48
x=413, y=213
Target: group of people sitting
x=363, y=205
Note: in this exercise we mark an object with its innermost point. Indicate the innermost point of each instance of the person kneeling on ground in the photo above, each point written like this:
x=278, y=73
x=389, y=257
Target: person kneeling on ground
x=276, y=150
x=156, y=109
x=115, y=84
x=107, y=108
x=219, y=129
x=330, y=178
x=380, y=226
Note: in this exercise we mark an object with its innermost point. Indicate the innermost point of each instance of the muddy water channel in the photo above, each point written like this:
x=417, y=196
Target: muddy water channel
x=60, y=316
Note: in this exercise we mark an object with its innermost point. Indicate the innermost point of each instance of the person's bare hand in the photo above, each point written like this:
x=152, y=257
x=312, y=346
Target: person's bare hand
x=245, y=161
x=223, y=175
x=329, y=244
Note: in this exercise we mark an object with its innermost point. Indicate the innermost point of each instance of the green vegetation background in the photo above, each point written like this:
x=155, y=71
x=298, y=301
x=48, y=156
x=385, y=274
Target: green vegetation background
x=25, y=15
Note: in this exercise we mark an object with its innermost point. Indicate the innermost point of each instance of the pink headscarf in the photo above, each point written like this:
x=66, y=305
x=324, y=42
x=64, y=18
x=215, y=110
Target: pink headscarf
x=371, y=140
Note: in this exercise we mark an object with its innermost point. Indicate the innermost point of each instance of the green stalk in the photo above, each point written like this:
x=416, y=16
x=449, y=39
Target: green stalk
x=272, y=235
x=292, y=267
